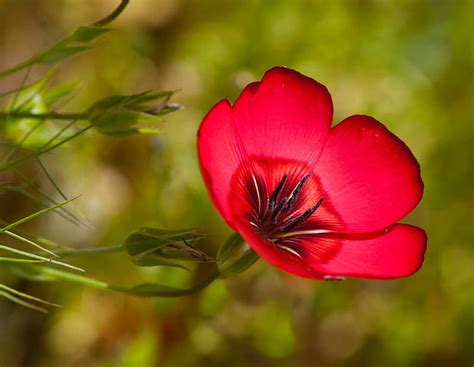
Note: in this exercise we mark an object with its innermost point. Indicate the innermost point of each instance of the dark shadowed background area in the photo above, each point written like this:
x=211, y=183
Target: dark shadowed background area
x=407, y=63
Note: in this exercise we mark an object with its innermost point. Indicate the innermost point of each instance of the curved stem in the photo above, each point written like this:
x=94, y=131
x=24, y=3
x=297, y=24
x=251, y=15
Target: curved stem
x=16, y=68
x=109, y=18
x=148, y=290
x=170, y=292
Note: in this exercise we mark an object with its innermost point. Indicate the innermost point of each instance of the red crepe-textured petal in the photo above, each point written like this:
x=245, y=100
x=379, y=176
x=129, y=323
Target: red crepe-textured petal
x=219, y=155
x=286, y=115
x=370, y=177
x=394, y=253
x=266, y=249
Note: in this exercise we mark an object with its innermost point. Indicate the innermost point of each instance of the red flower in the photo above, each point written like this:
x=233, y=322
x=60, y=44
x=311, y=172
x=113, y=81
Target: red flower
x=312, y=200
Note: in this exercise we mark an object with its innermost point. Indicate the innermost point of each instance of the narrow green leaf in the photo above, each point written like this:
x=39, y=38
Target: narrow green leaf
x=87, y=33
x=27, y=296
x=38, y=257
x=47, y=274
x=60, y=53
x=38, y=239
x=30, y=242
x=33, y=273
x=16, y=260
x=35, y=215
x=66, y=214
x=21, y=302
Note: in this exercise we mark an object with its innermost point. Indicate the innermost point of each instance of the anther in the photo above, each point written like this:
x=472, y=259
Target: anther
x=276, y=192
x=298, y=220
x=294, y=195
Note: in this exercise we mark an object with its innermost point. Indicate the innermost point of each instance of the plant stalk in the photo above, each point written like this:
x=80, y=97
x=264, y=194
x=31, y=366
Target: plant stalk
x=43, y=116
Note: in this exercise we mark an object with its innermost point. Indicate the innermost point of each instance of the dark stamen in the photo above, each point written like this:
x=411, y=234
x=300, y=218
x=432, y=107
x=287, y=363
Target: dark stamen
x=294, y=195
x=298, y=220
x=276, y=192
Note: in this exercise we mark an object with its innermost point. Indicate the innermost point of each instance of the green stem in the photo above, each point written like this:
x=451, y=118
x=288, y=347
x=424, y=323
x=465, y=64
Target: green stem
x=109, y=18
x=16, y=68
x=42, y=116
x=171, y=292
x=37, y=257
x=89, y=251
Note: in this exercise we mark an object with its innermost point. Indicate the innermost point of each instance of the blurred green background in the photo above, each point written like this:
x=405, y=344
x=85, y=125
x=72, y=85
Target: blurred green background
x=407, y=63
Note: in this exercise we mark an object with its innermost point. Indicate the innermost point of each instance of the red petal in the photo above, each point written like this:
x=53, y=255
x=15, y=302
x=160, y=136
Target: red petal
x=266, y=249
x=370, y=177
x=286, y=115
x=219, y=155
x=394, y=253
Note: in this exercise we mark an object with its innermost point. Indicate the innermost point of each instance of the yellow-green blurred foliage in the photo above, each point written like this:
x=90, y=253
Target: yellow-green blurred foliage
x=407, y=63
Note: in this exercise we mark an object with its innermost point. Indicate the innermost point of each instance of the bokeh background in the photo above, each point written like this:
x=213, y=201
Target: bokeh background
x=407, y=63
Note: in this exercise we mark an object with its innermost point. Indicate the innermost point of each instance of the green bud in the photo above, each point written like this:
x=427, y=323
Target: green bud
x=235, y=256
x=136, y=113
x=160, y=247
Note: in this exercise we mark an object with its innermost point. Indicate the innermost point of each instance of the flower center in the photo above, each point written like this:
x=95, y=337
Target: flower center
x=281, y=214
x=282, y=202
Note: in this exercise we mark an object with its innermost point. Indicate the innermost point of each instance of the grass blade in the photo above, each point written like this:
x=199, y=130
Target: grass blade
x=26, y=240
x=27, y=296
x=35, y=215
x=16, y=260
x=21, y=302
x=38, y=257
